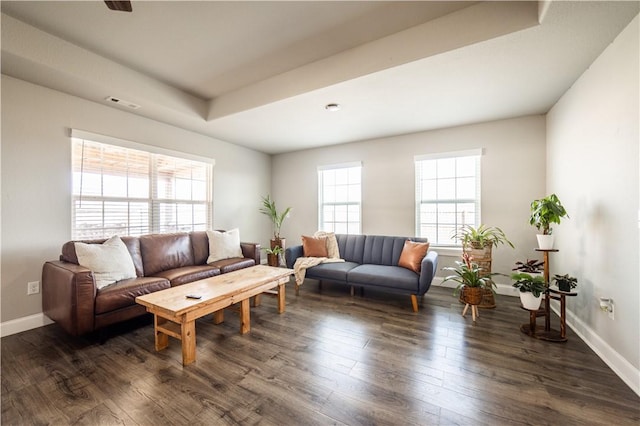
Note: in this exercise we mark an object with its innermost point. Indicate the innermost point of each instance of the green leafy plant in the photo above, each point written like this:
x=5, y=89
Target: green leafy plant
x=469, y=274
x=565, y=282
x=277, y=250
x=530, y=266
x=482, y=236
x=269, y=209
x=527, y=283
x=274, y=255
x=546, y=211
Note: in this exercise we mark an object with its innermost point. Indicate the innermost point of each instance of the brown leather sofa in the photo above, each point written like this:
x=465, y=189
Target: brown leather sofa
x=71, y=299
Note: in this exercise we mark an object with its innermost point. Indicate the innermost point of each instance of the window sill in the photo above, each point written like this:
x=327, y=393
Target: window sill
x=447, y=251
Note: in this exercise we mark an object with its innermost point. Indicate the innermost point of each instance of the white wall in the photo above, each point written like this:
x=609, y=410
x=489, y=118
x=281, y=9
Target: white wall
x=36, y=179
x=593, y=163
x=513, y=174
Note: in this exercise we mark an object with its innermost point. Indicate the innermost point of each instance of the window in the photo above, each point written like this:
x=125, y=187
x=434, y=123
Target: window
x=125, y=191
x=447, y=195
x=339, y=200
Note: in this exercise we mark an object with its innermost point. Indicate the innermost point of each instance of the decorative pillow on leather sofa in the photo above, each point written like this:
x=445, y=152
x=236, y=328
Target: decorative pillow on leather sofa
x=412, y=255
x=109, y=261
x=224, y=245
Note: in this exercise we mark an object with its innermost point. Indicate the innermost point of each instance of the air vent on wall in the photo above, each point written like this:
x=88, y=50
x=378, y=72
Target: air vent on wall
x=122, y=102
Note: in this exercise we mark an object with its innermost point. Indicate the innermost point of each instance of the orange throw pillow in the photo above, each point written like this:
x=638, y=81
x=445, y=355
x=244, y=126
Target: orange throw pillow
x=412, y=255
x=314, y=247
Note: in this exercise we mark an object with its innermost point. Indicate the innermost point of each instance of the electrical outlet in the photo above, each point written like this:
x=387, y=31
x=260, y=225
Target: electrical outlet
x=610, y=312
x=33, y=287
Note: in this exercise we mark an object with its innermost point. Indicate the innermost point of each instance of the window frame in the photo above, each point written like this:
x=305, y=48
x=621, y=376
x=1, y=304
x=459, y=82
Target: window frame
x=155, y=203
x=322, y=203
x=477, y=200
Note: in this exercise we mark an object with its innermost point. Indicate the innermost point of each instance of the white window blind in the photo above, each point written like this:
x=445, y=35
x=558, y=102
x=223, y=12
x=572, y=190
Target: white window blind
x=447, y=194
x=119, y=190
x=339, y=198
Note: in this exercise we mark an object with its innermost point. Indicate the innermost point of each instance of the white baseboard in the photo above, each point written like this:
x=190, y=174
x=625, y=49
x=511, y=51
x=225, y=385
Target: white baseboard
x=19, y=325
x=623, y=368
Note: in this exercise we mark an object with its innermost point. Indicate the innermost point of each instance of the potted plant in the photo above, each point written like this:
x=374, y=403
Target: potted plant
x=471, y=280
x=481, y=237
x=531, y=289
x=544, y=212
x=269, y=209
x=565, y=282
x=478, y=243
x=273, y=255
x=530, y=266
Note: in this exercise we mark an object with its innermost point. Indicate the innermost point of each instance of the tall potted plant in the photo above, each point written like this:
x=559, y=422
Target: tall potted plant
x=544, y=212
x=481, y=237
x=478, y=243
x=269, y=209
x=531, y=289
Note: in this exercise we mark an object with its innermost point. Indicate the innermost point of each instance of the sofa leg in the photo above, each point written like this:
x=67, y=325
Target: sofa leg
x=319, y=286
x=414, y=302
x=297, y=289
x=352, y=291
x=103, y=335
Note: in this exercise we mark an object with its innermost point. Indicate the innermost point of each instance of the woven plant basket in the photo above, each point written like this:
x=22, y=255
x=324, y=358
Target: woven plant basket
x=471, y=295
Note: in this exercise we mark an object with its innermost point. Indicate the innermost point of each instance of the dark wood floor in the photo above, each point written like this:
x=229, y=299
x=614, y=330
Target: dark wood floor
x=329, y=359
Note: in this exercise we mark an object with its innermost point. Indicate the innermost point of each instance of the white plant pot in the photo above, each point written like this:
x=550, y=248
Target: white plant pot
x=529, y=301
x=545, y=242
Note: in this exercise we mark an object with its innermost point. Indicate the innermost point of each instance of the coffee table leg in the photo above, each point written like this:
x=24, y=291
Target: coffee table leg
x=188, y=342
x=245, y=319
x=218, y=316
x=162, y=340
x=257, y=300
x=281, y=298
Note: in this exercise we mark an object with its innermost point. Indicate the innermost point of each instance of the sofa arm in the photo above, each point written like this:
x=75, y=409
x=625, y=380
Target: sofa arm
x=251, y=251
x=291, y=254
x=428, y=270
x=68, y=296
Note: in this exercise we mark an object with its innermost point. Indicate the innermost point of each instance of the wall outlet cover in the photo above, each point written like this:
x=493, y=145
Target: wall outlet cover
x=33, y=287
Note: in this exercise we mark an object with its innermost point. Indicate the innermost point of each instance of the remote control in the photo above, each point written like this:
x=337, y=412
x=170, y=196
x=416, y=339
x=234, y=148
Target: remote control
x=193, y=296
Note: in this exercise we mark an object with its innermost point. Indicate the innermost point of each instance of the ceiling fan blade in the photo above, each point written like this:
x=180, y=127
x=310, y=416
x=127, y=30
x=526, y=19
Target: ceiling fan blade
x=122, y=6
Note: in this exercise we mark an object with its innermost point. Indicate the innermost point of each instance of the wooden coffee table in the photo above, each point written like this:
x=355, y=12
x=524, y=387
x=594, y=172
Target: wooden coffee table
x=175, y=315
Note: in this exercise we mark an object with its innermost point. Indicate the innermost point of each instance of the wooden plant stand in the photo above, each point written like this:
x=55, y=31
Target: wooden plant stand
x=546, y=332
x=474, y=311
x=471, y=297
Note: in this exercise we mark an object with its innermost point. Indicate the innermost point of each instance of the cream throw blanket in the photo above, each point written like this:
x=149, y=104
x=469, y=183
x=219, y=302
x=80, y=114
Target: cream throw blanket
x=303, y=263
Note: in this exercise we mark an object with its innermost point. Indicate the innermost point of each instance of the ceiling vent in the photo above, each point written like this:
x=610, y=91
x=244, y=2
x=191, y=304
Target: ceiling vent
x=122, y=102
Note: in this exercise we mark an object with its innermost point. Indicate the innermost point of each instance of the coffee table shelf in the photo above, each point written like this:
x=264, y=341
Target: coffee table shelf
x=169, y=328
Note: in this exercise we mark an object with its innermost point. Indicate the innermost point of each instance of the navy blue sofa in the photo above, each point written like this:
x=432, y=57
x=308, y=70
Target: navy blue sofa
x=372, y=261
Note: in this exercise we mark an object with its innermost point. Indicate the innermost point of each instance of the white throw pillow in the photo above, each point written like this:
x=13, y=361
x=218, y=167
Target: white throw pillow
x=109, y=261
x=224, y=245
x=332, y=243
